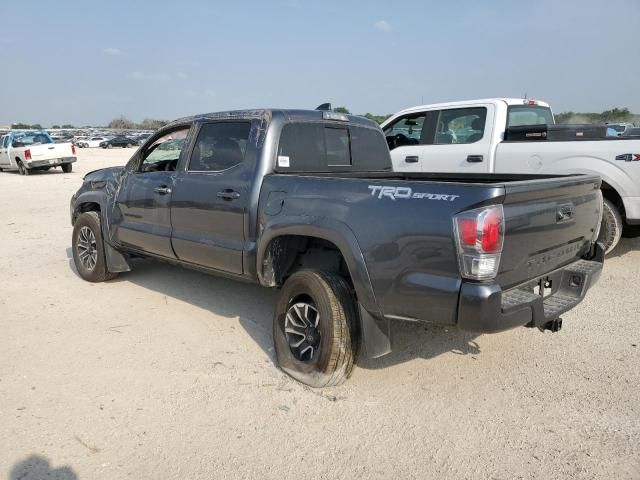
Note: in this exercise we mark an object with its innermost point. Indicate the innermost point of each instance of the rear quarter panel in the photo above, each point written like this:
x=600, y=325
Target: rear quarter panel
x=406, y=243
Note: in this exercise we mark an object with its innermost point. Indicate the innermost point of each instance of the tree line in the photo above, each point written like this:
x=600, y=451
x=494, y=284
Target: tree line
x=613, y=115
x=123, y=123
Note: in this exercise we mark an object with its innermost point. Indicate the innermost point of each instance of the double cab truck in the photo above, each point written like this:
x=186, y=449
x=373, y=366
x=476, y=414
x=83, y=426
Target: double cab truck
x=306, y=202
x=515, y=135
x=34, y=150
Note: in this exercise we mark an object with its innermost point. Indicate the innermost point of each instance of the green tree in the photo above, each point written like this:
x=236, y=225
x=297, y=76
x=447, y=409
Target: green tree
x=56, y=126
x=342, y=110
x=121, y=123
x=152, y=124
x=376, y=118
x=68, y=125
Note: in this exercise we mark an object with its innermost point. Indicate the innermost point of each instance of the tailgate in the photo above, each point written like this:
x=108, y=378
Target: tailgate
x=50, y=150
x=548, y=223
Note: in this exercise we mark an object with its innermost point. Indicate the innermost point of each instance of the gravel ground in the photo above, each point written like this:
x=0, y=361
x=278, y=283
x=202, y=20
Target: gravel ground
x=166, y=373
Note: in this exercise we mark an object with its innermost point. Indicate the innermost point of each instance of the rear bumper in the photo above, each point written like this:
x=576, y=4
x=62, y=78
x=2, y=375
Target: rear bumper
x=50, y=162
x=485, y=308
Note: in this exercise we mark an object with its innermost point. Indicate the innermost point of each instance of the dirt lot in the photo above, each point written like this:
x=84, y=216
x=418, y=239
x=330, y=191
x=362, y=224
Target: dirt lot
x=166, y=373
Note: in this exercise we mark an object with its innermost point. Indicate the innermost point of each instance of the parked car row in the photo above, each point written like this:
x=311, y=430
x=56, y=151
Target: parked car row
x=110, y=141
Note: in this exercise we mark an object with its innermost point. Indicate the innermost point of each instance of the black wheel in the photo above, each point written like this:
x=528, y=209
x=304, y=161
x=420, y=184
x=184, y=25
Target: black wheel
x=611, y=228
x=109, y=145
x=88, y=248
x=67, y=167
x=315, y=328
x=22, y=170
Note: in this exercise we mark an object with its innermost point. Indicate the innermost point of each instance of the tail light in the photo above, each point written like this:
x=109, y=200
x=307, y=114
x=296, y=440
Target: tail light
x=600, y=213
x=73, y=149
x=27, y=154
x=479, y=236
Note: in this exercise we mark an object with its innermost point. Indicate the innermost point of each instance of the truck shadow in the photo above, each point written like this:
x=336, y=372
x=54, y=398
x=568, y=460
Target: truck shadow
x=253, y=306
x=628, y=243
x=37, y=467
x=417, y=340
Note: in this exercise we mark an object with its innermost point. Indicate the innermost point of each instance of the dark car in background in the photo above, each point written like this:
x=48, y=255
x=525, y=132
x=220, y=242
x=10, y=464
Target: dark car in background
x=632, y=132
x=118, y=141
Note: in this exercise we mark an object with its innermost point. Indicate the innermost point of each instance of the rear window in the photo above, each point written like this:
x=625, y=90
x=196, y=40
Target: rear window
x=35, y=138
x=522, y=115
x=322, y=147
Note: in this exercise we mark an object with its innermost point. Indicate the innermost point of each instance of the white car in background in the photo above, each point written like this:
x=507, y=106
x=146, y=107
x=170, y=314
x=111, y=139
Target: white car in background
x=515, y=135
x=92, y=142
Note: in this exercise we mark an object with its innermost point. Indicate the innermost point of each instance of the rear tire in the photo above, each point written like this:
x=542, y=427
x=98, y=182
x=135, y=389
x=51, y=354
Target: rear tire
x=611, y=228
x=22, y=170
x=319, y=354
x=88, y=248
x=67, y=167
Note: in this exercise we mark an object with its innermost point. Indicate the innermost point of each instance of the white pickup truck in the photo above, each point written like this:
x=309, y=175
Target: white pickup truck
x=34, y=150
x=509, y=135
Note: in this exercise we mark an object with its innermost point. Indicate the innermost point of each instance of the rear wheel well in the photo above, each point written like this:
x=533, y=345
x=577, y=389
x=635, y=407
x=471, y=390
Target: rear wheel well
x=613, y=196
x=288, y=254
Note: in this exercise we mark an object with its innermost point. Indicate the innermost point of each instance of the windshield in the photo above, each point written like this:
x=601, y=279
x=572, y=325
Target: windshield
x=520, y=115
x=30, y=138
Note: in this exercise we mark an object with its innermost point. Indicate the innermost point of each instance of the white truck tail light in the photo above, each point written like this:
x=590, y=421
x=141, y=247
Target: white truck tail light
x=479, y=235
x=27, y=154
x=73, y=149
x=600, y=212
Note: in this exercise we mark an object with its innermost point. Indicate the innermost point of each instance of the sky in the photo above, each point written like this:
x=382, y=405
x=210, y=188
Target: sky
x=84, y=62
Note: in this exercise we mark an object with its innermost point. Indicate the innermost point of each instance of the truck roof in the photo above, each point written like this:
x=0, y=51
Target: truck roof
x=465, y=103
x=268, y=113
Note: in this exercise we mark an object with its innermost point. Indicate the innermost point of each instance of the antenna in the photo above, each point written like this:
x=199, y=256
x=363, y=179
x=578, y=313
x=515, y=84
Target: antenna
x=525, y=95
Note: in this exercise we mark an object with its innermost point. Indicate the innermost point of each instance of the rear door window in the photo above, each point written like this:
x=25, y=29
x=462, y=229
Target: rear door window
x=461, y=125
x=220, y=146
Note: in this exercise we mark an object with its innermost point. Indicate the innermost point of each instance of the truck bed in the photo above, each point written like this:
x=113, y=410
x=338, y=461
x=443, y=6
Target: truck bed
x=408, y=241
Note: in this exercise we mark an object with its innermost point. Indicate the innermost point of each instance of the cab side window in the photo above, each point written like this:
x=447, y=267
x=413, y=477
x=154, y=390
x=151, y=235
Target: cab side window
x=220, y=146
x=407, y=130
x=163, y=154
x=460, y=125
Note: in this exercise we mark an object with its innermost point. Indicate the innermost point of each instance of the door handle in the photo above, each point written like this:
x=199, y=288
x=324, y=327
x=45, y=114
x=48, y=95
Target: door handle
x=162, y=190
x=228, y=194
x=475, y=158
x=411, y=159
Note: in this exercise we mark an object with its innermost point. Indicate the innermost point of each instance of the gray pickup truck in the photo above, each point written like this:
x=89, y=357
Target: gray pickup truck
x=305, y=201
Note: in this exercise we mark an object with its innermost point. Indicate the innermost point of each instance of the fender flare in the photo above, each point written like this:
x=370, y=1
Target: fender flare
x=116, y=261
x=376, y=330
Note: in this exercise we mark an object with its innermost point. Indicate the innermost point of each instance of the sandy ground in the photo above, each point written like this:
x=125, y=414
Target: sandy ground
x=166, y=373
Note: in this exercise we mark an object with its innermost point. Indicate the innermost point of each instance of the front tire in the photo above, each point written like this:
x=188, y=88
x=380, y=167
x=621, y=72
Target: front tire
x=88, y=248
x=315, y=328
x=611, y=228
x=67, y=167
